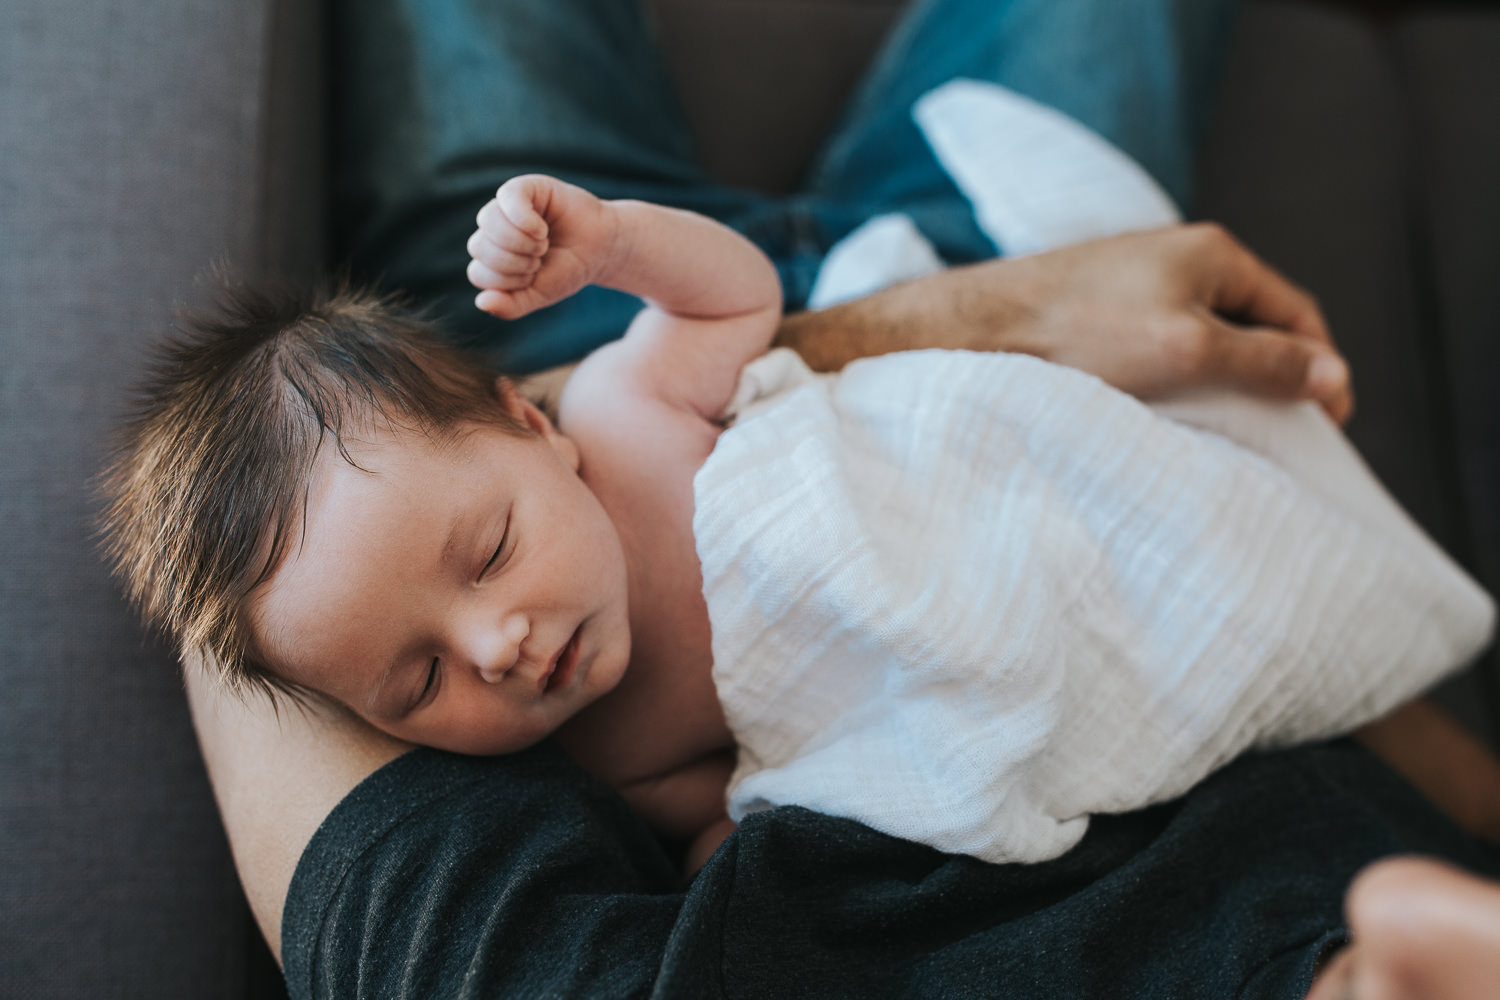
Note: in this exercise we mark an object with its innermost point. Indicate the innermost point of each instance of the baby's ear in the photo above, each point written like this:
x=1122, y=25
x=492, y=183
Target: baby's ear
x=509, y=396
x=524, y=410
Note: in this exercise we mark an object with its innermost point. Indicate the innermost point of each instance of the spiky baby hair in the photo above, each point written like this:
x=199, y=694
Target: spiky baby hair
x=207, y=483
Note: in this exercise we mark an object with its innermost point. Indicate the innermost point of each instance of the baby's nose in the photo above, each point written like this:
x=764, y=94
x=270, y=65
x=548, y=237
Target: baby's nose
x=500, y=647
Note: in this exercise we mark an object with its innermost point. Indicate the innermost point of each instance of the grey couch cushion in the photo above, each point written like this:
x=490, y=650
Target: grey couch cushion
x=131, y=153
x=1311, y=161
x=1306, y=164
x=762, y=81
x=1448, y=62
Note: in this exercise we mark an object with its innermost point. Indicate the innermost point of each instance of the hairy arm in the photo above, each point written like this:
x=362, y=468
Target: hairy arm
x=276, y=774
x=1149, y=313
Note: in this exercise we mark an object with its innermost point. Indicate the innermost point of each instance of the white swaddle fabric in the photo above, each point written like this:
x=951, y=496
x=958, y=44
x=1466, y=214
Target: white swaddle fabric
x=970, y=600
x=1035, y=178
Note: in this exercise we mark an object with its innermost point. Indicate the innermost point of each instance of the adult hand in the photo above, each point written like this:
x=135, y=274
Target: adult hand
x=1182, y=307
x=1150, y=313
x=1419, y=929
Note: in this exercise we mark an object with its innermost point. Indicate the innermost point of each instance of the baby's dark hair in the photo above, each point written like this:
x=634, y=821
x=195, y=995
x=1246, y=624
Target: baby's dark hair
x=209, y=478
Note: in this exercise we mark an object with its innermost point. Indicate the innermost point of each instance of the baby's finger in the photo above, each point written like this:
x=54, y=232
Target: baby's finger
x=509, y=305
x=497, y=227
x=518, y=198
x=505, y=261
x=482, y=277
x=501, y=304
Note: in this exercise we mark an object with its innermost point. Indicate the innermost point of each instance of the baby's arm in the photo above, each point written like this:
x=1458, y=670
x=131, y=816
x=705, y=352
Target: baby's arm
x=688, y=804
x=713, y=299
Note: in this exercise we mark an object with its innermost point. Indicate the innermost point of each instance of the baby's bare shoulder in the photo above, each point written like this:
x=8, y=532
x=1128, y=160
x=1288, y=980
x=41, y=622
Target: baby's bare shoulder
x=618, y=411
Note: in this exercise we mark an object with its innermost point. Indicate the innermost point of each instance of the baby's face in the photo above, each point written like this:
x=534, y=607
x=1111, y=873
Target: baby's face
x=468, y=595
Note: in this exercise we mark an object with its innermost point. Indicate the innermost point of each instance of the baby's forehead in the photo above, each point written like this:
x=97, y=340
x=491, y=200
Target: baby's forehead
x=399, y=435
x=373, y=457
x=292, y=621
x=387, y=511
x=372, y=499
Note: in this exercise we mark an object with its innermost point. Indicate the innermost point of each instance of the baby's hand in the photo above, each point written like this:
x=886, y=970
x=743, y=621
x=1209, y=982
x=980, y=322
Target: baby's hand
x=539, y=240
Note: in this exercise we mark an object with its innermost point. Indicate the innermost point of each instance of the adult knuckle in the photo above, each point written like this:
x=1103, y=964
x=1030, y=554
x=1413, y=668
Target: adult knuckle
x=1209, y=233
x=1209, y=229
x=1183, y=342
x=1287, y=367
x=1213, y=240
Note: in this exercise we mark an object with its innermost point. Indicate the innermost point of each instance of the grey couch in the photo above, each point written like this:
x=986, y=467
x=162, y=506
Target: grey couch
x=141, y=139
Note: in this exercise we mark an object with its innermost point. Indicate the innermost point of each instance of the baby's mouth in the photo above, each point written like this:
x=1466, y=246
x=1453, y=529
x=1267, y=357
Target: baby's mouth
x=560, y=671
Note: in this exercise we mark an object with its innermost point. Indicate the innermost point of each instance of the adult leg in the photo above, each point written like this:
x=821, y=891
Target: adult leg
x=438, y=102
x=1141, y=73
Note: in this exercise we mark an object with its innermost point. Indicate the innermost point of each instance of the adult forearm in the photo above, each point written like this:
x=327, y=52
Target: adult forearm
x=276, y=775
x=1149, y=313
x=967, y=308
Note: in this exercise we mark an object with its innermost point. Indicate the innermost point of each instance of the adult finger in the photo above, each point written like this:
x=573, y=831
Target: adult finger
x=1251, y=291
x=1425, y=929
x=1268, y=362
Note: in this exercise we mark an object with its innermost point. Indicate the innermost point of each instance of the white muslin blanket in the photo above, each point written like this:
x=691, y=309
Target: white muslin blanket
x=970, y=600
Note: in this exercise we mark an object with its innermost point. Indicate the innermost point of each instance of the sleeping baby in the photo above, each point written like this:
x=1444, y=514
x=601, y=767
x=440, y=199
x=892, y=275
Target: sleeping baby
x=965, y=599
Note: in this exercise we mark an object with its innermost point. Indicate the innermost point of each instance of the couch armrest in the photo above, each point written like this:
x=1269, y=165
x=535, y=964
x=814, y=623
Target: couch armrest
x=134, y=141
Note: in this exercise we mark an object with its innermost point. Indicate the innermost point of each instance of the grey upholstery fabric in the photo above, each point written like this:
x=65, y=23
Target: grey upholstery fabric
x=140, y=139
x=1446, y=59
x=1314, y=161
x=1306, y=164
x=762, y=81
x=1448, y=62
x=131, y=147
